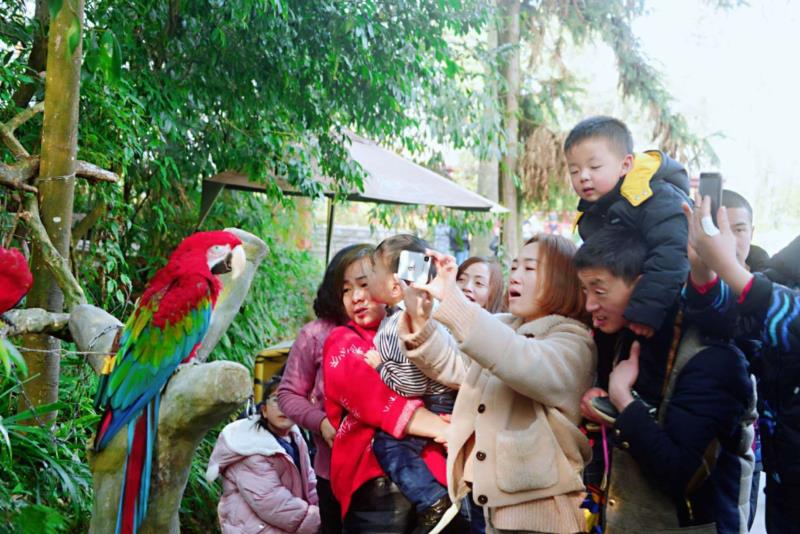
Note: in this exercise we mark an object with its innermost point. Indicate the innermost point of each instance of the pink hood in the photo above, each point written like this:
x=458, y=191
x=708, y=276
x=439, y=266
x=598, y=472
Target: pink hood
x=263, y=490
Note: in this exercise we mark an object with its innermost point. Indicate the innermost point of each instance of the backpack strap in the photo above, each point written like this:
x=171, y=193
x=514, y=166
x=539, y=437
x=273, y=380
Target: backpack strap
x=688, y=347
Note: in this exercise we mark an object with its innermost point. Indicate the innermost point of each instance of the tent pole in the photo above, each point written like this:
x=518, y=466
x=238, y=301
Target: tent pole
x=329, y=235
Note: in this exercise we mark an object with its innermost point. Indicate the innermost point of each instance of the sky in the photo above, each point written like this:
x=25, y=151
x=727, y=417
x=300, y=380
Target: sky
x=731, y=73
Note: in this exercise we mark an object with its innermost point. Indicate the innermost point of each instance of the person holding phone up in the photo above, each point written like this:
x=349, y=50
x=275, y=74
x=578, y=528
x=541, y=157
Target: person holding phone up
x=514, y=440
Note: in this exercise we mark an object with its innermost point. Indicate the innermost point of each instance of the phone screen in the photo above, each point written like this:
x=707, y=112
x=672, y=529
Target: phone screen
x=711, y=186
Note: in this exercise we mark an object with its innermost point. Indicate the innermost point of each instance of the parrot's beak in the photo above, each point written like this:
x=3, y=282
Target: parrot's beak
x=234, y=262
x=238, y=261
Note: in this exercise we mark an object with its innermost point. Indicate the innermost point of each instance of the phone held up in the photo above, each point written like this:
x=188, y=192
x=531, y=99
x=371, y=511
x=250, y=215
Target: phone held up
x=711, y=186
x=414, y=267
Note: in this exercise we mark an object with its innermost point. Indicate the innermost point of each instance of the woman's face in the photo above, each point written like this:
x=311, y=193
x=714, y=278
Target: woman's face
x=358, y=304
x=522, y=283
x=474, y=282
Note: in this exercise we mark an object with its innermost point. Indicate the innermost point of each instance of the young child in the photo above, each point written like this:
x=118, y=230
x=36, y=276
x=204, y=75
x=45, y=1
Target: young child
x=401, y=459
x=643, y=192
x=267, y=480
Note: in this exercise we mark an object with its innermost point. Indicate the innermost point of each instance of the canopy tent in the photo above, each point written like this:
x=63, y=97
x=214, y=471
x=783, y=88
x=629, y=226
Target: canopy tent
x=391, y=179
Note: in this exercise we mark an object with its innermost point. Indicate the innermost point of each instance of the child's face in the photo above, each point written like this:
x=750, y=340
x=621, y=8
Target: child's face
x=359, y=305
x=522, y=286
x=595, y=167
x=474, y=282
x=275, y=417
x=381, y=282
x=607, y=296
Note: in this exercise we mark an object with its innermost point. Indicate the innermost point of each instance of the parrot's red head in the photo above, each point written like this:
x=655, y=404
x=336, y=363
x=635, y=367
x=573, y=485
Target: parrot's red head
x=15, y=278
x=206, y=253
x=218, y=250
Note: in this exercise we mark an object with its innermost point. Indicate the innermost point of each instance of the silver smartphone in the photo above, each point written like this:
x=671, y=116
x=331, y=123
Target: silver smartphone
x=414, y=267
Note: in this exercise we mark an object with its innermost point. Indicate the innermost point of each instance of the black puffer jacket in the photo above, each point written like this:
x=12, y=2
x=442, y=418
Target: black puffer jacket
x=648, y=199
x=770, y=316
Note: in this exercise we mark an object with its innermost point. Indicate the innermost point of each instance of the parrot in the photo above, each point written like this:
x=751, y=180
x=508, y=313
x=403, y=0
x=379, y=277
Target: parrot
x=15, y=278
x=15, y=282
x=165, y=330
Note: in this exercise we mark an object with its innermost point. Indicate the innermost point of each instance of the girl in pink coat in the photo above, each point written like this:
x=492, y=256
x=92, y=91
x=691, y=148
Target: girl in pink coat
x=268, y=484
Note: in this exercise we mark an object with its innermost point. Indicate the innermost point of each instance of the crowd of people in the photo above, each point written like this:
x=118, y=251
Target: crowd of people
x=606, y=388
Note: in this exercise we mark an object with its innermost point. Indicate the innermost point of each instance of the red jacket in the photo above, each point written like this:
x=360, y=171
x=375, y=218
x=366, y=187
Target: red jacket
x=357, y=403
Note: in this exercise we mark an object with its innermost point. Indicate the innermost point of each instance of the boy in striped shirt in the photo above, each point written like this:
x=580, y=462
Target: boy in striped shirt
x=402, y=459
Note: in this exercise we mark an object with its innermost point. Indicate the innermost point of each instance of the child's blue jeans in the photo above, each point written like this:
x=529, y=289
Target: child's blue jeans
x=401, y=459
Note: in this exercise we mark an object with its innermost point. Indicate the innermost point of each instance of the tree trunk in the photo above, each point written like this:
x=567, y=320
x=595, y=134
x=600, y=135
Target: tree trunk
x=488, y=168
x=510, y=13
x=56, y=184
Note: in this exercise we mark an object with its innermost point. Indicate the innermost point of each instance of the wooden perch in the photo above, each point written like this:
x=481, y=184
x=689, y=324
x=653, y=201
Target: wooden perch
x=56, y=263
x=7, y=130
x=197, y=398
x=37, y=321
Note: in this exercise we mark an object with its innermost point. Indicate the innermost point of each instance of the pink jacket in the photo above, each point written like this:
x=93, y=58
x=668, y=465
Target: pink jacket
x=263, y=490
x=301, y=393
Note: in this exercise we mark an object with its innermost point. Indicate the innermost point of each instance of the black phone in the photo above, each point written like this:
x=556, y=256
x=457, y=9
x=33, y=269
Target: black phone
x=711, y=186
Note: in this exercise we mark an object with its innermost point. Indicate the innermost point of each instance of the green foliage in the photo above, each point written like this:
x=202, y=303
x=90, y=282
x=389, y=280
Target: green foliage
x=46, y=482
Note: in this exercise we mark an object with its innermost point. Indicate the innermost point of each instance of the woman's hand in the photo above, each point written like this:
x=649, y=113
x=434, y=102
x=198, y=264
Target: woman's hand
x=586, y=405
x=373, y=358
x=419, y=306
x=623, y=377
x=327, y=431
x=445, y=279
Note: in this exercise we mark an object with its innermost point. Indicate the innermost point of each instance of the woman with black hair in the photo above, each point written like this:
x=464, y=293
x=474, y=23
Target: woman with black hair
x=301, y=392
x=267, y=480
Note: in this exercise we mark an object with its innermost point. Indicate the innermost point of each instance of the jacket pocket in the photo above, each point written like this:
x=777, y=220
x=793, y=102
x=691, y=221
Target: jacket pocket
x=526, y=459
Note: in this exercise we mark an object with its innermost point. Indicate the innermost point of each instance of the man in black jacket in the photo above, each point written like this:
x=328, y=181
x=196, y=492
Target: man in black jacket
x=745, y=306
x=685, y=448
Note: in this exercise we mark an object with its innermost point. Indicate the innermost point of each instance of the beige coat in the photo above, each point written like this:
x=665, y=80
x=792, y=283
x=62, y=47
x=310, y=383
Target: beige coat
x=520, y=391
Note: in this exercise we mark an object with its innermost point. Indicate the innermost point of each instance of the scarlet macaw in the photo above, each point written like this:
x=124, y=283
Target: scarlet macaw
x=15, y=282
x=15, y=278
x=166, y=329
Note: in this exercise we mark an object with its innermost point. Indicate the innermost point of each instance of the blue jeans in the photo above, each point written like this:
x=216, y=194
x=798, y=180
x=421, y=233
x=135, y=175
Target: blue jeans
x=401, y=459
x=477, y=523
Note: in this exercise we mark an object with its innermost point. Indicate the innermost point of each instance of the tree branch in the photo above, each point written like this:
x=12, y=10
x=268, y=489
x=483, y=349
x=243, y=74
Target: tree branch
x=58, y=266
x=37, y=321
x=7, y=130
x=91, y=218
x=93, y=173
x=15, y=176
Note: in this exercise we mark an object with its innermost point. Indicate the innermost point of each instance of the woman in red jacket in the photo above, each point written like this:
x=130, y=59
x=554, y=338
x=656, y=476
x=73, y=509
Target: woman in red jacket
x=358, y=403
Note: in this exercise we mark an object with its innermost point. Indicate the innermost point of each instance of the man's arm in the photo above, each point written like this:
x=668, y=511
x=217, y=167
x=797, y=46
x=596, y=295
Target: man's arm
x=709, y=400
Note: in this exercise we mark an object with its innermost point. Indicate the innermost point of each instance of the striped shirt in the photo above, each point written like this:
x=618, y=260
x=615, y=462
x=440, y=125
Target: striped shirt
x=396, y=371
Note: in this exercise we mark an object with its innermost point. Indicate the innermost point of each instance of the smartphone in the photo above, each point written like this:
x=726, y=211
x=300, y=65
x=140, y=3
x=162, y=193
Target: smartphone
x=711, y=186
x=414, y=267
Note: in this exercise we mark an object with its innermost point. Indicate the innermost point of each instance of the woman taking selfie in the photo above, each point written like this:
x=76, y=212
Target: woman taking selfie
x=358, y=403
x=514, y=439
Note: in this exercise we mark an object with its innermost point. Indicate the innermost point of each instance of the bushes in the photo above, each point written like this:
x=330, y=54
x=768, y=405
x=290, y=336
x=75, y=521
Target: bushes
x=45, y=481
